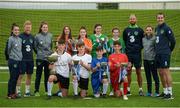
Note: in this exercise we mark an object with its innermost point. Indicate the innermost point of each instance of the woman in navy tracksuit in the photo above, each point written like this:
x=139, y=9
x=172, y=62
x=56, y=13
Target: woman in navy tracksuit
x=14, y=62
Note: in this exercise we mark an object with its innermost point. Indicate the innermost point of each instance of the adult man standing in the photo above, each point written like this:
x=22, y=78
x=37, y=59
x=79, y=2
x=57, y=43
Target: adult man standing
x=132, y=37
x=165, y=43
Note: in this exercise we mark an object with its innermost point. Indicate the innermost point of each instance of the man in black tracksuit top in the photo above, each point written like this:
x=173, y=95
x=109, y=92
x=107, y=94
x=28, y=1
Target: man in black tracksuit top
x=132, y=37
x=27, y=60
x=165, y=43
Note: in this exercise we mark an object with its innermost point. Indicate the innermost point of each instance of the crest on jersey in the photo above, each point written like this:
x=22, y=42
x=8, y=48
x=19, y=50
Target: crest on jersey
x=162, y=31
x=24, y=41
x=15, y=65
x=128, y=33
x=31, y=41
x=135, y=33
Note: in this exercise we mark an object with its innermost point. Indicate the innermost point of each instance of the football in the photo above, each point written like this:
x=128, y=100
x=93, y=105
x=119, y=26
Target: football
x=52, y=58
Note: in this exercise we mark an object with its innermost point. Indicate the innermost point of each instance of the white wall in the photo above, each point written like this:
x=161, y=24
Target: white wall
x=58, y=5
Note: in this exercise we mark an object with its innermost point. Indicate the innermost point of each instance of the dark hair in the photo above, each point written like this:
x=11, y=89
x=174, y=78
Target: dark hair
x=117, y=43
x=61, y=41
x=80, y=43
x=96, y=25
x=99, y=48
x=12, y=27
x=82, y=27
x=115, y=28
x=41, y=24
x=63, y=33
x=160, y=13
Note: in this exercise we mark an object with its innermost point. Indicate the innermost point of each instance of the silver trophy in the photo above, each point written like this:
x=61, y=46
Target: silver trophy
x=52, y=59
x=76, y=69
x=73, y=43
x=123, y=71
x=104, y=67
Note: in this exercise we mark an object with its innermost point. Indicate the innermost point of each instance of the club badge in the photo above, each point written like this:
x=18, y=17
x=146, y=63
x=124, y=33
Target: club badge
x=135, y=33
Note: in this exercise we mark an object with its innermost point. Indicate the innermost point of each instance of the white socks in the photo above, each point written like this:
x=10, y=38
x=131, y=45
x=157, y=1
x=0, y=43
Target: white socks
x=169, y=89
x=165, y=90
x=18, y=89
x=49, y=87
x=75, y=87
x=27, y=89
x=128, y=88
x=105, y=87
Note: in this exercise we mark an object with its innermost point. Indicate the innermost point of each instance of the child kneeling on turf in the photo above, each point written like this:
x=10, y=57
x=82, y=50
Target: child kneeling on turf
x=81, y=68
x=99, y=76
x=118, y=72
x=62, y=70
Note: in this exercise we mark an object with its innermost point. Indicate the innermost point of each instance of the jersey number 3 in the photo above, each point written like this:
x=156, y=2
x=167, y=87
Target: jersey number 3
x=132, y=39
x=28, y=48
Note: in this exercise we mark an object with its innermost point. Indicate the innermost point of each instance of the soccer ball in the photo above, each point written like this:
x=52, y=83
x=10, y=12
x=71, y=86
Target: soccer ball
x=53, y=57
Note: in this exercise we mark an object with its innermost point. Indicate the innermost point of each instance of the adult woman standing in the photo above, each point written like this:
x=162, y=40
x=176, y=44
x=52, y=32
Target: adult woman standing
x=14, y=61
x=66, y=36
x=43, y=45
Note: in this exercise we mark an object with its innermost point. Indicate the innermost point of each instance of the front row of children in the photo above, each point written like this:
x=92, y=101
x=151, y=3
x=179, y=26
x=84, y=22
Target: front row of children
x=82, y=63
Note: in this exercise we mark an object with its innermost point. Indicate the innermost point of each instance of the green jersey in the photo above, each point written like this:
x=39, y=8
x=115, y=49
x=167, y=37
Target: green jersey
x=98, y=41
x=110, y=45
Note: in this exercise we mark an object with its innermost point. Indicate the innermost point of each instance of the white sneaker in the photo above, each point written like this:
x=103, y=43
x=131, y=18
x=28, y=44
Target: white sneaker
x=97, y=95
x=125, y=97
x=111, y=93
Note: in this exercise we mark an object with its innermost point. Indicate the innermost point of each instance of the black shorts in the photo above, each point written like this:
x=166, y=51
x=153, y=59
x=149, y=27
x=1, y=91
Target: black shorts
x=27, y=67
x=135, y=59
x=162, y=60
x=64, y=82
x=83, y=83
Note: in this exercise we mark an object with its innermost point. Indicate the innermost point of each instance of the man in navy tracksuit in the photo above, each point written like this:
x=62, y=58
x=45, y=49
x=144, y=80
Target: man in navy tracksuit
x=132, y=37
x=27, y=60
x=165, y=43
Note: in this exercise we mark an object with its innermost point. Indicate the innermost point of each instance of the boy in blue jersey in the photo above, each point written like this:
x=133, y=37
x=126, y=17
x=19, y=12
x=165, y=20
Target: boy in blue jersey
x=165, y=43
x=99, y=76
x=27, y=60
x=132, y=37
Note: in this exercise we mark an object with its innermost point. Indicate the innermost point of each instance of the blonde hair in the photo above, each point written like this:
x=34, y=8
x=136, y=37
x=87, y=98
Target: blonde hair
x=27, y=23
x=150, y=27
x=132, y=15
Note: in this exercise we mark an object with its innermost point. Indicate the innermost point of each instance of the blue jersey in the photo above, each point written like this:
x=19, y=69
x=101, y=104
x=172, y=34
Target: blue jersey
x=27, y=46
x=165, y=41
x=97, y=76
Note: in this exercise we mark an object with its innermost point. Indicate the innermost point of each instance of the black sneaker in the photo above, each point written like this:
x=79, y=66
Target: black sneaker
x=168, y=97
x=161, y=95
x=103, y=95
x=49, y=97
x=128, y=93
x=141, y=93
x=57, y=93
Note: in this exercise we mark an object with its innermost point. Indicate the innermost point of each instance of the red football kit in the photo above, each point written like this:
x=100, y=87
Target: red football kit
x=115, y=71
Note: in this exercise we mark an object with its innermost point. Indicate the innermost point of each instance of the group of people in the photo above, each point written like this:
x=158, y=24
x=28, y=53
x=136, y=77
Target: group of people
x=108, y=61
